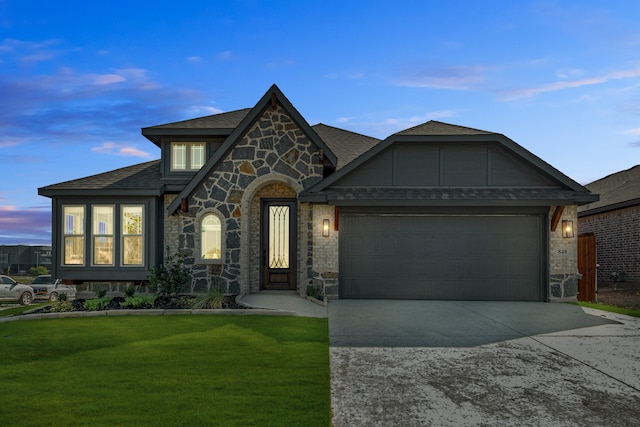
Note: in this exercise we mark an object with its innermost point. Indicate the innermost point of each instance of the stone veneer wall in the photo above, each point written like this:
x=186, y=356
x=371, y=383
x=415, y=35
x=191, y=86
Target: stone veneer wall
x=617, y=242
x=273, y=150
x=325, y=259
x=563, y=259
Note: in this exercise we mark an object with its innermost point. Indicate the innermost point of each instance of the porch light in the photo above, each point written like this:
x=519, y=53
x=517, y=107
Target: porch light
x=567, y=228
x=325, y=228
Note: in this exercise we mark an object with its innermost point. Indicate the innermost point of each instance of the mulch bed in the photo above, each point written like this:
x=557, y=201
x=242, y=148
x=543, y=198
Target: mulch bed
x=162, y=302
x=620, y=297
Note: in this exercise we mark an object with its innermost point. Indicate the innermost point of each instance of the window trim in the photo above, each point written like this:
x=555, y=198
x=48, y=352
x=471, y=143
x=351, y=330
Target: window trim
x=112, y=235
x=198, y=238
x=188, y=155
x=141, y=236
x=64, y=235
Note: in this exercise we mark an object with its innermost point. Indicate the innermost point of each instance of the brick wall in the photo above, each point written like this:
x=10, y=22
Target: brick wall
x=618, y=242
x=325, y=251
x=563, y=258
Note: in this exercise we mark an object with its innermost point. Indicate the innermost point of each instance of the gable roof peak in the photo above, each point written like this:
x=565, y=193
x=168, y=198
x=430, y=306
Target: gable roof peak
x=434, y=127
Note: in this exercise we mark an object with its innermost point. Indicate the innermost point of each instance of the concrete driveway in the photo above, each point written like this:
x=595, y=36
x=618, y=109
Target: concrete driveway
x=441, y=363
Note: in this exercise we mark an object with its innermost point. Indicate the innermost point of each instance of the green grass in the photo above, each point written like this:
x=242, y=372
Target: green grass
x=165, y=370
x=612, y=308
x=19, y=309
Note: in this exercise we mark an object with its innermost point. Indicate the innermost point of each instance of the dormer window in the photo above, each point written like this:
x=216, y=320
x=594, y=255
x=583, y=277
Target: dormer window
x=187, y=156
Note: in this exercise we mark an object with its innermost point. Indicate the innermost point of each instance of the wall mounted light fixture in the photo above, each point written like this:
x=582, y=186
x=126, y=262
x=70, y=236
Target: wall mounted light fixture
x=567, y=228
x=325, y=227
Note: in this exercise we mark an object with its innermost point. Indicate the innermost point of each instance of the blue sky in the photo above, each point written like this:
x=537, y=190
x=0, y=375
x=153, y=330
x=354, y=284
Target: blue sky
x=79, y=79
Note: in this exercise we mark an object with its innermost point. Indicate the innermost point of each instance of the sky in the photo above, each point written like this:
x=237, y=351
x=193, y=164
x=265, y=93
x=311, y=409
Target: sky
x=79, y=79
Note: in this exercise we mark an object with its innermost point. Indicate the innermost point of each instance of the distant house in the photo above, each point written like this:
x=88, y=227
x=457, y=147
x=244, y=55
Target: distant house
x=257, y=199
x=615, y=221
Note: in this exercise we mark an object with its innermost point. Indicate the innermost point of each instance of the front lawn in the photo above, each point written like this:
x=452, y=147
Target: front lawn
x=165, y=370
x=612, y=308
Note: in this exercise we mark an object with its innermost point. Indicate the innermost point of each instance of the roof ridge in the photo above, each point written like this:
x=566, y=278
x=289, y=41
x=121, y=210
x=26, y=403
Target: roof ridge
x=346, y=130
x=203, y=117
x=611, y=175
x=450, y=125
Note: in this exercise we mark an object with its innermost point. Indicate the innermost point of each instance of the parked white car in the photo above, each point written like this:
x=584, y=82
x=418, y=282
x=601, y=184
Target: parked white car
x=45, y=287
x=10, y=290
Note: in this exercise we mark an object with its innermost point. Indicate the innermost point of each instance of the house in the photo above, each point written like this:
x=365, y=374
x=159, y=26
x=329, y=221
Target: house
x=615, y=222
x=257, y=199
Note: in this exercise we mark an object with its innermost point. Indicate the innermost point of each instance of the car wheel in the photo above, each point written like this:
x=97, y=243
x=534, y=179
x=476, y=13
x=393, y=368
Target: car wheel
x=53, y=297
x=25, y=298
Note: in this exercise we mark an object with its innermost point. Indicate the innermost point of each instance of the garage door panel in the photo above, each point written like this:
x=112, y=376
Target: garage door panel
x=463, y=257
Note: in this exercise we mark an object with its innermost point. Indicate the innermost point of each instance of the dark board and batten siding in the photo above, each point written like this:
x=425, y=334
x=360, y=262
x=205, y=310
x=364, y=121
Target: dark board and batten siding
x=427, y=165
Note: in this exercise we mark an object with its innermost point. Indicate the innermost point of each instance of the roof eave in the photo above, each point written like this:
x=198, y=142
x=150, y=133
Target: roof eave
x=155, y=135
x=607, y=208
x=156, y=192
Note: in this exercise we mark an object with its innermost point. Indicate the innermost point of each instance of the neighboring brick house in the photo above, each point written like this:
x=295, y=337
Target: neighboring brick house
x=257, y=199
x=615, y=221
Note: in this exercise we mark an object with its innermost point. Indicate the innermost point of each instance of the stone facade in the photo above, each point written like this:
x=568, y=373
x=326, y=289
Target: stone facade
x=618, y=243
x=563, y=259
x=274, y=159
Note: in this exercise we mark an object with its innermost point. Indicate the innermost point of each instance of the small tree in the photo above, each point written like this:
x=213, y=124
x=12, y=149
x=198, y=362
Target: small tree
x=38, y=271
x=170, y=277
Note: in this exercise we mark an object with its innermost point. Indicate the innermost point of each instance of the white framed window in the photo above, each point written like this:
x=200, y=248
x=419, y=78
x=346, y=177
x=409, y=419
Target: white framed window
x=73, y=218
x=102, y=234
x=211, y=237
x=132, y=244
x=187, y=156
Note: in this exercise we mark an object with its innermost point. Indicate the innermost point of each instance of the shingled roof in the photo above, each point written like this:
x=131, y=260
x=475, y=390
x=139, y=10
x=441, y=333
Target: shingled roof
x=140, y=179
x=345, y=144
x=228, y=120
x=618, y=190
x=433, y=127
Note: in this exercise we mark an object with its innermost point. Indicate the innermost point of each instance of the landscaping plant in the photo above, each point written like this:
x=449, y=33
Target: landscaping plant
x=212, y=299
x=170, y=277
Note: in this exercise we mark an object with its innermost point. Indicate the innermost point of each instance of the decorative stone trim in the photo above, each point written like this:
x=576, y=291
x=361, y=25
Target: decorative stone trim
x=563, y=287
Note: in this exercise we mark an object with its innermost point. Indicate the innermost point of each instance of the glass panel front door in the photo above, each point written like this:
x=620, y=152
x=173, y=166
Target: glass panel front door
x=278, y=237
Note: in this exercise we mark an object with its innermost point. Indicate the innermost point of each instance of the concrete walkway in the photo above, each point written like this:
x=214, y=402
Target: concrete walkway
x=284, y=302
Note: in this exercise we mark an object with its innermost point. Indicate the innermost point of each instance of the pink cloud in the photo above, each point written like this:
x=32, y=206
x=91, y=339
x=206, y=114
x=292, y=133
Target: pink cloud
x=119, y=150
x=552, y=87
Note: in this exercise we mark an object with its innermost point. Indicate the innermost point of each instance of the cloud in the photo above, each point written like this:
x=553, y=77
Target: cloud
x=31, y=52
x=381, y=128
x=202, y=110
x=225, y=56
x=561, y=85
x=114, y=149
x=455, y=77
x=194, y=59
x=635, y=131
x=28, y=226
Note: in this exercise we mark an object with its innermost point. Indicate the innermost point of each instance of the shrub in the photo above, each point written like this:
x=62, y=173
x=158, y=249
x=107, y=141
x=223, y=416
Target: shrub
x=138, y=301
x=212, y=299
x=96, y=304
x=170, y=277
x=38, y=271
x=315, y=292
x=100, y=293
x=62, y=297
x=130, y=291
x=61, y=305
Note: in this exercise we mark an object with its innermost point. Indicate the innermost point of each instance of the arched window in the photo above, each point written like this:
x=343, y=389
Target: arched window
x=211, y=239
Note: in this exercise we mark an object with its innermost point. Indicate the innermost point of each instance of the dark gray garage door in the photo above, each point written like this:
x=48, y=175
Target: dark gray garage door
x=458, y=257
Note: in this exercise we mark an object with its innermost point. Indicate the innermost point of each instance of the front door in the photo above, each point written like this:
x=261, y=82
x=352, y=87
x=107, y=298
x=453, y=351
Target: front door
x=279, y=218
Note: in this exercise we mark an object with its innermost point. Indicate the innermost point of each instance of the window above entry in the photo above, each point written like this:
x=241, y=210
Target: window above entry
x=188, y=156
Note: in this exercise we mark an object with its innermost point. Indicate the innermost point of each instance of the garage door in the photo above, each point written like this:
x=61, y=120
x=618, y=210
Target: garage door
x=454, y=257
